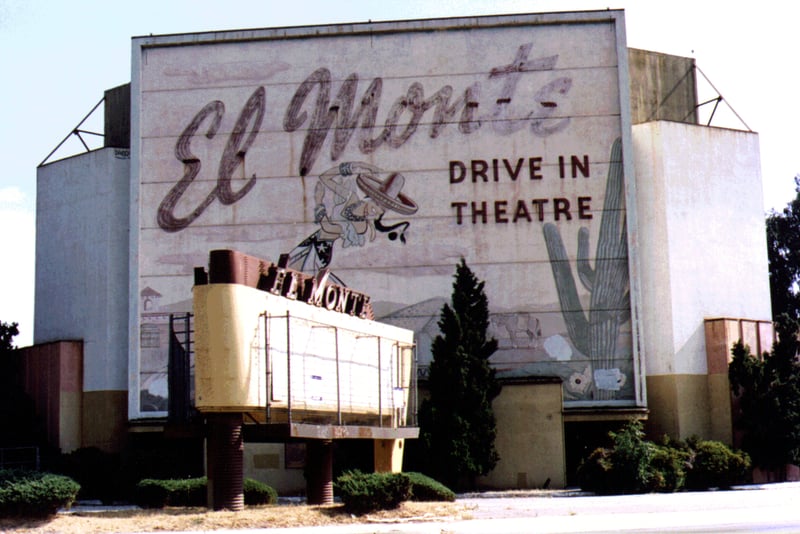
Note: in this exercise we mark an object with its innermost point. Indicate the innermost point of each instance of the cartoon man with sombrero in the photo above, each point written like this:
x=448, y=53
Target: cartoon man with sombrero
x=342, y=213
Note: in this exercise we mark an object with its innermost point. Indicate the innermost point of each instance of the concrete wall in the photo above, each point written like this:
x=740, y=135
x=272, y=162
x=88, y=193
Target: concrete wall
x=267, y=462
x=703, y=254
x=530, y=440
x=82, y=276
x=663, y=87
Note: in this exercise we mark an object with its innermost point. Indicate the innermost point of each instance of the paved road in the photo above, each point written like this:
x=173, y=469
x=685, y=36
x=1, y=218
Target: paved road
x=773, y=508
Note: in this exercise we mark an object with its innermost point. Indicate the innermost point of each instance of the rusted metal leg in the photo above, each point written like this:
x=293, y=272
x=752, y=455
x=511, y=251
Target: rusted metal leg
x=319, y=464
x=225, y=462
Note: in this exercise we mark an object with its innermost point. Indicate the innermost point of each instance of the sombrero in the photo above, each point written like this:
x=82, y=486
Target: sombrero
x=387, y=194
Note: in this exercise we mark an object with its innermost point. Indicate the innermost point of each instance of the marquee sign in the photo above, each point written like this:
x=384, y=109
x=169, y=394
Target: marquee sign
x=382, y=153
x=271, y=340
x=314, y=290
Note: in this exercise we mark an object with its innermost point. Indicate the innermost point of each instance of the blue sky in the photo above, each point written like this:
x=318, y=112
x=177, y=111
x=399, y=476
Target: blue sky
x=57, y=58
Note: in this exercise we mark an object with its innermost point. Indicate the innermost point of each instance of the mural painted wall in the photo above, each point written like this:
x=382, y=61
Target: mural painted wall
x=385, y=152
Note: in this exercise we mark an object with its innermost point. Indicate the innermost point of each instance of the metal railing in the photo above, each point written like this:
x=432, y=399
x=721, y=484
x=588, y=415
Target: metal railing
x=321, y=359
x=387, y=370
x=180, y=376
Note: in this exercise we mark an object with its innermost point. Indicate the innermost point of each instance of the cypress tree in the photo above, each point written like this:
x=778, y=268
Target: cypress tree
x=457, y=423
x=783, y=253
x=768, y=389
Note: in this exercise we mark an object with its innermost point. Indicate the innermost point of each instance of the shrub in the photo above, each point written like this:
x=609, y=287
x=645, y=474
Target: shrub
x=595, y=473
x=154, y=493
x=715, y=465
x=630, y=458
x=635, y=465
x=256, y=492
x=35, y=494
x=151, y=493
x=187, y=491
x=362, y=493
x=424, y=488
x=625, y=468
x=668, y=466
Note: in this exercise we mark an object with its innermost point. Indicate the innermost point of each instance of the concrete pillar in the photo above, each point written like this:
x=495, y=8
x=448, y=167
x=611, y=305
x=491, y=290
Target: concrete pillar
x=225, y=462
x=388, y=455
x=319, y=466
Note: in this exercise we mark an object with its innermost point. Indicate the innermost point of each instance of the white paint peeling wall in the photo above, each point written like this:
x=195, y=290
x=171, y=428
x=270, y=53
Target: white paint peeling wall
x=702, y=237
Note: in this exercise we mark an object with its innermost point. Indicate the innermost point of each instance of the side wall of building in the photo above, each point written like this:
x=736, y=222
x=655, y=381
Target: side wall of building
x=530, y=437
x=703, y=255
x=82, y=278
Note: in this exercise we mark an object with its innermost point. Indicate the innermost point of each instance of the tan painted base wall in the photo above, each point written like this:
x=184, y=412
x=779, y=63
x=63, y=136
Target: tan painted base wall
x=266, y=463
x=719, y=397
x=69, y=420
x=530, y=438
x=105, y=416
x=679, y=406
x=388, y=455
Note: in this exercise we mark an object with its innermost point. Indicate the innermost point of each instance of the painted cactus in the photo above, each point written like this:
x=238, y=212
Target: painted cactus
x=595, y=334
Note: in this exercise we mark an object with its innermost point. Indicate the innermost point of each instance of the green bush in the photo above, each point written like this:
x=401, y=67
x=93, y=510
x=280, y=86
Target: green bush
x=256, y=492
x=668, y=466
x=631, y=458
x=634, y=465
x=362, y=493
x=715, y=465
x=155, y=493
x=596, y=473
x=424, y=488
x=187, y=491
x=35, y=494
x=151, y=493
x=625, y=468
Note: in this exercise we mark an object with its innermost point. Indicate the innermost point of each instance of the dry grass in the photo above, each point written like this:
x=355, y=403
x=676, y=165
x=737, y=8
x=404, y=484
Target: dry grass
x=181, y=519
